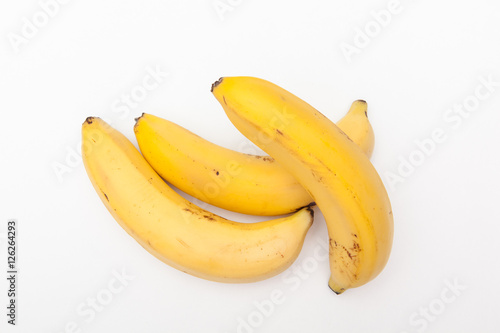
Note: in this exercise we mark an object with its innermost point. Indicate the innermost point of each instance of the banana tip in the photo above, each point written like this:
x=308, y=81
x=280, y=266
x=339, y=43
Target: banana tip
x=335, y=288
x=89, y=120
x=365, y=107
x=337, y=292
x=137, y=119
x=137, y=122
x=216, y=83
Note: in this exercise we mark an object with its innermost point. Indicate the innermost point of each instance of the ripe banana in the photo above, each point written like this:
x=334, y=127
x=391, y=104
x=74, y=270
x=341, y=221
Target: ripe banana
x=243, y=183
x=333, y=169
x=176, y=231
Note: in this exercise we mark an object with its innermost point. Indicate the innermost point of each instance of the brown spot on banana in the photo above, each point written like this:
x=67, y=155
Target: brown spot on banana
x=105, y=195
x=347, y=257
x=264, y=158
x=183, y=243
x=208, y=217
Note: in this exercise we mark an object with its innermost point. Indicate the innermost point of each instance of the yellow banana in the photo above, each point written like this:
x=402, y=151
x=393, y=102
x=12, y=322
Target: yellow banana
x=334, y=170
x=176, y=231
x=243, y=183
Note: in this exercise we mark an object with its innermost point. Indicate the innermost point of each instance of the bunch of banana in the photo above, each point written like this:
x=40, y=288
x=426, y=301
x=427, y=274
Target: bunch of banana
x=311, y=160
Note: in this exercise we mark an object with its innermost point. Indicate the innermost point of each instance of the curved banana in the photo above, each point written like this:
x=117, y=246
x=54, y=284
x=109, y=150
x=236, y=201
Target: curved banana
x=339, y=176
x=176, y=231
x=243, y=183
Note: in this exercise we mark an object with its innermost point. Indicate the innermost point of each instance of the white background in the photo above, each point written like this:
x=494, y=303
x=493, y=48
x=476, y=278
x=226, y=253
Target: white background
x=428, y=58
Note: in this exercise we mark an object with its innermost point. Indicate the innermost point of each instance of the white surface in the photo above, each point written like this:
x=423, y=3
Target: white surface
x=428, y=58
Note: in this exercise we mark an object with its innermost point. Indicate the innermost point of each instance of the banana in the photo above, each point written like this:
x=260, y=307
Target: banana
x=248, y=184
x=175, y=230
x=334, y=170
